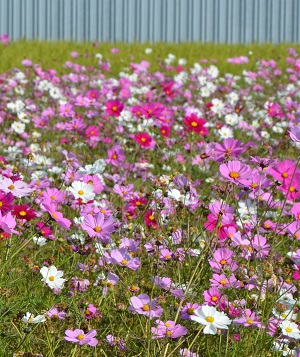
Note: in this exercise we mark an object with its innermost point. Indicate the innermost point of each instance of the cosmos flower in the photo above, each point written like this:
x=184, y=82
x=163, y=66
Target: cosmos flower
x=52, y=277
x=144, y=305
x=211, y=318
x=80, y=337
x=31, y=319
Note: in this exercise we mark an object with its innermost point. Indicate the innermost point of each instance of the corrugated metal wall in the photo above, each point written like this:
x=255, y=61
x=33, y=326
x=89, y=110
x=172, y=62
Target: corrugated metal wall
x=227, y=21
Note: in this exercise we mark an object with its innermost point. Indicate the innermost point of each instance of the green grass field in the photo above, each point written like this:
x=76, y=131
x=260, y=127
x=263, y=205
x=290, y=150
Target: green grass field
x=53, y=54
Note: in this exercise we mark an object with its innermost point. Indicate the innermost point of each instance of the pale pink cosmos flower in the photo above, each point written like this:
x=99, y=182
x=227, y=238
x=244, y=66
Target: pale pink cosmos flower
x=294, y=133
x=168, y=329
x=122, y=258
x=8, y=223
x=80, y=337
x=17, y=188
x=144, y=305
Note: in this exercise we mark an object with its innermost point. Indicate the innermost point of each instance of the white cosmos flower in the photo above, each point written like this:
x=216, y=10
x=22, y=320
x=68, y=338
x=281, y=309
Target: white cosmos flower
x=52, y=277
x=97, y=168
x=18, y=127
x=30, y=318
x=211, y=318
x=82, y=190
x=290, y=329
x=39, y=240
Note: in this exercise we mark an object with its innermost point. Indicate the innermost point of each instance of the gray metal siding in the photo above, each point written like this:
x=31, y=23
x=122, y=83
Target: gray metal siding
x=224, y=21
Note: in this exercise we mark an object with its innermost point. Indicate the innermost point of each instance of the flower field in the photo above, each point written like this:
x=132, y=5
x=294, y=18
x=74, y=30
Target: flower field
x=150, y=212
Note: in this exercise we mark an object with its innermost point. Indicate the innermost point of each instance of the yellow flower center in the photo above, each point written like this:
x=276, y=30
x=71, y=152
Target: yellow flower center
x=30, y=319
x=146, y=308
x=288, y=330
x=194, y=124
x=143, y=140
x=223, y=262
x=214, y=298
x=1, y=203
x=80, y=337
x=22, y=213
x=51, y=278
x=114, y=156
x=254, y=185
x=169, y=333
x=124, y=262
x=167, y=324
x=249, y=321
x=54, y=215
x=97, y=229
x=151, y=218
x=284, y=175
x=80, y=192
x=210, y=319
x=234, y=174
x=114, y=108
x=223, y=282
x=190, y=311
x=11, y=187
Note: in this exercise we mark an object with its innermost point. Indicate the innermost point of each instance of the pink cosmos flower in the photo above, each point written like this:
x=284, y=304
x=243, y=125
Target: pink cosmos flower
x=122, y=258
x=168, y=329
x=235, y=171
x=248, y=318
x=8, y=223
x=222, y=281
x=284, y=171
x=188, y=310
x=143, y=305
x=222, y=258
x=212, y=296
x=262, y=248
x=50, y=207
x=238, y=60
x=4, y=38
x=116, y=341
x=296, y=211
x=54, y=313
x=66, y=110
x=93, y=94
x=116, y=156
x=81, y=338
x=163, y=283
x=99, y=226
x=229, y=148
x=196, y=124
x=294, y=133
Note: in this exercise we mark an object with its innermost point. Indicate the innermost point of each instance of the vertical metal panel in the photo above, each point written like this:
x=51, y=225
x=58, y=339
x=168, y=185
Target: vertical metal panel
x=226, y=21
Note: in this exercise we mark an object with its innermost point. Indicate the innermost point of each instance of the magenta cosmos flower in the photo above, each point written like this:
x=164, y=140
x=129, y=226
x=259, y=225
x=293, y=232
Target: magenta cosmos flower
x=81, y=338
x=114, y=107
x=235, y=171
x=196, y=124
x=143, y=305
x=98, y=226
